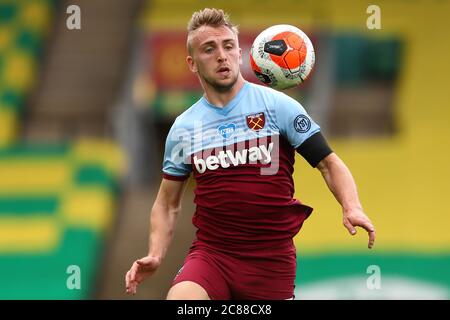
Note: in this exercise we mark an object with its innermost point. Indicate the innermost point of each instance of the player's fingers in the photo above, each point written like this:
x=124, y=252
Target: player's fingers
x=131, y=284
x=371, y=239
x=367, y=225
x=133, y=272
x=127, y=282
x=134, y=285
x=349, y=227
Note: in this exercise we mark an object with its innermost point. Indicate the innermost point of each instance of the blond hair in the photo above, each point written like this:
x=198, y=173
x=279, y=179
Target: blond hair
x=208, y=17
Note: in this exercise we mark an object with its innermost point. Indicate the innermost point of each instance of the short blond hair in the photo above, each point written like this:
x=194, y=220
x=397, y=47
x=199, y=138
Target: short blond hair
x=208, y=17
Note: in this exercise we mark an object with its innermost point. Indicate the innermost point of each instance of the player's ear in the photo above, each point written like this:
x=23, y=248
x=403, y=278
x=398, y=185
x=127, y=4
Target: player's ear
x=191, y=64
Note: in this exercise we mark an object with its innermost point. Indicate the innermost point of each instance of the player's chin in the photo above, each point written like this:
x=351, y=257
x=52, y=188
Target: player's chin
x=224, y=77
x=226, y=80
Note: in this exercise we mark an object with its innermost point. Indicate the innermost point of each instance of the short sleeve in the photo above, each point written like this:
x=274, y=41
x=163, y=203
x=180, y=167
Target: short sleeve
x=294, y=122
x=176, y=165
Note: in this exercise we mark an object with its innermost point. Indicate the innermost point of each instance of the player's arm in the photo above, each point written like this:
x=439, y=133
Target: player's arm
x=163, y=217
x=341, y=183
x=176, y=171
x=164, y=211
x=305, y=136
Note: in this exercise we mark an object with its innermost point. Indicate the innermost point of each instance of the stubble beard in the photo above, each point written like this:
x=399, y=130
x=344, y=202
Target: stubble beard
x=220, y=87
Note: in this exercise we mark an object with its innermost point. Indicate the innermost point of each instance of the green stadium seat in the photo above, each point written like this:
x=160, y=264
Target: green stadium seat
x=56, y=207
x=23, y=27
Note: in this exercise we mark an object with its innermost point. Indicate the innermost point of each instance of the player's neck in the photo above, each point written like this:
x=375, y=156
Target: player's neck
x=221, y=99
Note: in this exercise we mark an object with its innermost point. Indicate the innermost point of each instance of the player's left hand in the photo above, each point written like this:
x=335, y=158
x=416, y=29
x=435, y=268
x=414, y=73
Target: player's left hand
x=357, y=218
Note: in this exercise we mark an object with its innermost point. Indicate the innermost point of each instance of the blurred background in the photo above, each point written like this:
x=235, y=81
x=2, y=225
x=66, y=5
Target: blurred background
x=84, y=113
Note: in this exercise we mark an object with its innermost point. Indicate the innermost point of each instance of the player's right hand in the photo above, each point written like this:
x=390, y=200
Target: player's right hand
x=140, y=270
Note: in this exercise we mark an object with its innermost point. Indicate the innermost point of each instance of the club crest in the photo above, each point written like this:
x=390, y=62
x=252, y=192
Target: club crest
x=256, y=121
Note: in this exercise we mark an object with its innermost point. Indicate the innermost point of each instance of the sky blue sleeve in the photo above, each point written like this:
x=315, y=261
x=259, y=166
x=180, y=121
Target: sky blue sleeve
x=176, y=152
x=294, y=122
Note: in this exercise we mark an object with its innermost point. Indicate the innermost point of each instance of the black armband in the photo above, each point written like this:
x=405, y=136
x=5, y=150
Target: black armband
x=314, y=149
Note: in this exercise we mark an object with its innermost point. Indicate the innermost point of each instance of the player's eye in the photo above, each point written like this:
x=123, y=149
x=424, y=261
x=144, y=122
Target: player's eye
x=208, y=49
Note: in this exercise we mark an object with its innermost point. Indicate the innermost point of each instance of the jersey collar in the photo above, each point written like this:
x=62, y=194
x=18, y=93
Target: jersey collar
x=230, y=105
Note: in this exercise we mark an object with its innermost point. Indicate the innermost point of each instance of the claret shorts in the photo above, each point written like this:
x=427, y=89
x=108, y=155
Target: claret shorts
x=226, y=276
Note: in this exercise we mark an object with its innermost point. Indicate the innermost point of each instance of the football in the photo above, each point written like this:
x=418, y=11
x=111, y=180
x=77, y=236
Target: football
x=282, y=56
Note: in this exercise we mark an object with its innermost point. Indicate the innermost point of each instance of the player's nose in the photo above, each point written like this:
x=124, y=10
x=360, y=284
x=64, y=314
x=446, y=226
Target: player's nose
x=221, y=56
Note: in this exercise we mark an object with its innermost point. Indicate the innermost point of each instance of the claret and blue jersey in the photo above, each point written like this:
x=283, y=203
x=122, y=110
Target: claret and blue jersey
x=242, y=158
x=255, y=112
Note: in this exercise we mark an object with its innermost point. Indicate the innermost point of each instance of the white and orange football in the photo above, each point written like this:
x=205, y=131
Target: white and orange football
x=282, y=56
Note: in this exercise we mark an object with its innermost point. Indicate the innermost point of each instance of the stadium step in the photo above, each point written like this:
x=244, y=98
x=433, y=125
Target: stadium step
x=82, y=71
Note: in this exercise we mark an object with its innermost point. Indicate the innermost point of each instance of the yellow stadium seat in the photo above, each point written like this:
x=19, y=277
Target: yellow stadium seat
x=8, y=127
x=19, y=71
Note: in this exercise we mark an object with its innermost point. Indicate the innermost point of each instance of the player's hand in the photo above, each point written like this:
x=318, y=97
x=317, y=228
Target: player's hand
x=140, y=270
x=357, y=218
